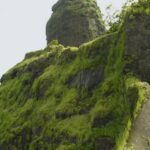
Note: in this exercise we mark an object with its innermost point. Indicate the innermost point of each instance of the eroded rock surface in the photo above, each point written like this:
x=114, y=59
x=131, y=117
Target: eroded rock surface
x=140, y=132
x=74, y=22
x=138, y=46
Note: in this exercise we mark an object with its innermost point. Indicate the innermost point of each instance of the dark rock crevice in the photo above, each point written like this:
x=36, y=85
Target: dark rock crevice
x=74, y=22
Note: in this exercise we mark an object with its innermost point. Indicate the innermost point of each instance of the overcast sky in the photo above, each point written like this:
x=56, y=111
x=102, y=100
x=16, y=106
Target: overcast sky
x=22, y=27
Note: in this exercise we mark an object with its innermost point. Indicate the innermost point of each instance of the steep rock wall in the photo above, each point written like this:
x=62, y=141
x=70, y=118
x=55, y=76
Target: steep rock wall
x=74, y=22
x=68, y=98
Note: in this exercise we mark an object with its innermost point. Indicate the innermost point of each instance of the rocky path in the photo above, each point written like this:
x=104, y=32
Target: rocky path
x=139, y=138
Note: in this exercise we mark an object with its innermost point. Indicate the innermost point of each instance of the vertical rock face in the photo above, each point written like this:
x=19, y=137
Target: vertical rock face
x=86, y=98
x=74, y=22
x=138, y=45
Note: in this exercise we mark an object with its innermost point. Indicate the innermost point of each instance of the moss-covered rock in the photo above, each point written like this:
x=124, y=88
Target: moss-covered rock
x=74, y=22
x=76, y=98
x=137, y=27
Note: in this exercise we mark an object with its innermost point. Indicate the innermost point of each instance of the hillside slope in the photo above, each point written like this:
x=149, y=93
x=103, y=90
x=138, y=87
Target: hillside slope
x=70, y=98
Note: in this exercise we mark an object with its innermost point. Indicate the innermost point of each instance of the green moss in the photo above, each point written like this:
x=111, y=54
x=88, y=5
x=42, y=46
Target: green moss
x=68, y=147
x=41, y=108
x=68, y=102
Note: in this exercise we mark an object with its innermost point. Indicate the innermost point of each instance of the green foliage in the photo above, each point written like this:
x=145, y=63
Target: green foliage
x=43, y=104
x=53, y=110
x=50, y=109
x=130, y=9
x=54, y=42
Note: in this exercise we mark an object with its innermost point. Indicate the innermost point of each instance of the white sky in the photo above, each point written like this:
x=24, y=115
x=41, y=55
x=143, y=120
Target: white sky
x=22, y=27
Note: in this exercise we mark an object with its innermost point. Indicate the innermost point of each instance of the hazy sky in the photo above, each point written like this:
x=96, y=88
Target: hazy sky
x=22, y=27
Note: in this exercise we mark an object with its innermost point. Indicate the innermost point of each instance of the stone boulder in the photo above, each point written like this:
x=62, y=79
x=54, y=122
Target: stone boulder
x=74, y=22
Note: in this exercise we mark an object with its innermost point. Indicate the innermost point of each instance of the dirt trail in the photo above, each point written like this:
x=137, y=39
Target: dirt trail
x=139, y=138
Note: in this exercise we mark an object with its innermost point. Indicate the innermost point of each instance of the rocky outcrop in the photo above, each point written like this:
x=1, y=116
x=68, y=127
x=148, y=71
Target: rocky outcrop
x=85, y=98
x=74, y=22
x=137, y=44
x=139, y=138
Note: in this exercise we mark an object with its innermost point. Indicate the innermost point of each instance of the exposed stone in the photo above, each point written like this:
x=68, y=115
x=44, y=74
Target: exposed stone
x=133, y=98
x=88, y=79
x=104, y=143
x=101, y=121
x=74, y=22
x=137, y=52
x=67, y=56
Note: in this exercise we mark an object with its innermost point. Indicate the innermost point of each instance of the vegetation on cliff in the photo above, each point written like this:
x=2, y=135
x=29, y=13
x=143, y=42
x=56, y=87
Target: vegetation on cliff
x=70, y=98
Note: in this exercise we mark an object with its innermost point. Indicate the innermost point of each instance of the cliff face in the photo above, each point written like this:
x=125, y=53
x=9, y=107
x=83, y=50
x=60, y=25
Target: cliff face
x=69, y=98
x=74, y=22
x=138, y=45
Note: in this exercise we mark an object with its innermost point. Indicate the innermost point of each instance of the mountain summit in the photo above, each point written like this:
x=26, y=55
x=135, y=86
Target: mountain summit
x=74, y=22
